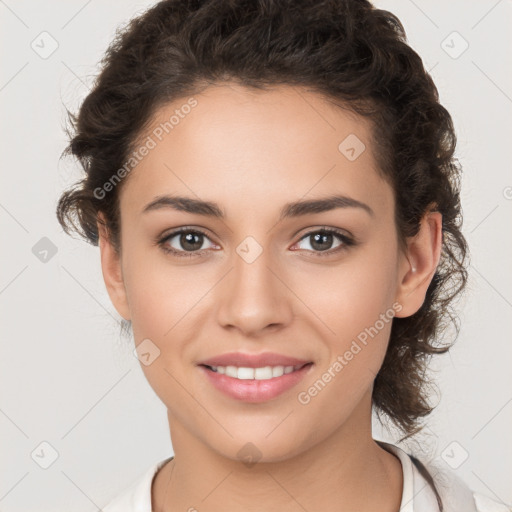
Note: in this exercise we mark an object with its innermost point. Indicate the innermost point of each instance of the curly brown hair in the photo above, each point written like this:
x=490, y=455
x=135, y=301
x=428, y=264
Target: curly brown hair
x=346, y=50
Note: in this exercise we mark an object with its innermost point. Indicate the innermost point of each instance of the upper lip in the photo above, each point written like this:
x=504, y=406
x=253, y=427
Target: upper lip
x=240, y=359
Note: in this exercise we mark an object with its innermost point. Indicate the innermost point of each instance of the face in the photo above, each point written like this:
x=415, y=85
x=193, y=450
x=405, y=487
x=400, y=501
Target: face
x=250, y=274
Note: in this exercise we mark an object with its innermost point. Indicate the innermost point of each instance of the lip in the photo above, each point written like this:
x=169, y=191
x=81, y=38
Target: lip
x=241, y=359
x=254, y=390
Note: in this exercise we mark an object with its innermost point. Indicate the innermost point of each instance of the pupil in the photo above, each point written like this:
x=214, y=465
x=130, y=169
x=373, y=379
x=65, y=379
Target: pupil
x=188, y=240
x=321, y=238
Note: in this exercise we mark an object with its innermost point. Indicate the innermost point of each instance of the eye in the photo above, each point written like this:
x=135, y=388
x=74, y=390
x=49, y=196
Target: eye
x=321, y=241
x=184, y=242
x=188, y=242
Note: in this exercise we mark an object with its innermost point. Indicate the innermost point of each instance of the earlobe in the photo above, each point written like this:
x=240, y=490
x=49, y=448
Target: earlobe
x=418, y=265
x=112, y=270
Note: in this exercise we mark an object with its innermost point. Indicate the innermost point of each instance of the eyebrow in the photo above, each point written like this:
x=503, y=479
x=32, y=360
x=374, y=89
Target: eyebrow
x=295, y=209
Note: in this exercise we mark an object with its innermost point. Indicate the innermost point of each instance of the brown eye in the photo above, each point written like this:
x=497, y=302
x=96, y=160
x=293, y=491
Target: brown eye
x=323, y=240
x=184, y=241
x=191, y=241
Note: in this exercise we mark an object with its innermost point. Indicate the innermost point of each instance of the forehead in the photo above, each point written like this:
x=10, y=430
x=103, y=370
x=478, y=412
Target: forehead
x=231, y=143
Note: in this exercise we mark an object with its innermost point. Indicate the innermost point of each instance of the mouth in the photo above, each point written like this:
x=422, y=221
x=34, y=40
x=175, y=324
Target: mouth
x=255, y=385
x=261, y=373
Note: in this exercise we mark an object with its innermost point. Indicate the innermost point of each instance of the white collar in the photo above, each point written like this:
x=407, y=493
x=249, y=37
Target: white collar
x=417, y=495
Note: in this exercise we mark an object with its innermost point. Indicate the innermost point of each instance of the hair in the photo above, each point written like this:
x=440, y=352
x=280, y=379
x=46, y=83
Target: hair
x=430, y=480
x=348, y=51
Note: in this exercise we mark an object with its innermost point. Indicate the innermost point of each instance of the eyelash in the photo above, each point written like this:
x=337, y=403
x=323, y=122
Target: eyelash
x=346, y=242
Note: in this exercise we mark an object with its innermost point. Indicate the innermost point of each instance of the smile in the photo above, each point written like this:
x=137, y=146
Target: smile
x=263, y=373
x=254, y=385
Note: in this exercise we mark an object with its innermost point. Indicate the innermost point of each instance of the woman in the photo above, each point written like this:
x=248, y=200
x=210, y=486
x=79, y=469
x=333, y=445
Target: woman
x=273, y=188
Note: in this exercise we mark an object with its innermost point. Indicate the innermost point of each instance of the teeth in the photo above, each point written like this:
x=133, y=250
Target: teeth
x=231, y=371
x=264, y=373
x=277, y=371
x=241, y=373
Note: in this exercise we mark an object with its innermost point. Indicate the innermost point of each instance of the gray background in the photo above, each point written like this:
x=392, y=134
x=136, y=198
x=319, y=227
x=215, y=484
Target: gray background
x=67, y=376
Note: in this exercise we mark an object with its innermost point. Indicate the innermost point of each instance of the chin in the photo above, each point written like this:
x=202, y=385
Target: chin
x=259, y=448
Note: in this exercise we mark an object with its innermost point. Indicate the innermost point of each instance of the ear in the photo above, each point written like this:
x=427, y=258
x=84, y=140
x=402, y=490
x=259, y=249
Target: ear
x=112, y=270
x=418, y=265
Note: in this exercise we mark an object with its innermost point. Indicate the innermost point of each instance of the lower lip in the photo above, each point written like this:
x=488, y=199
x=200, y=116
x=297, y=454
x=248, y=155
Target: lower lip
x=252, y=390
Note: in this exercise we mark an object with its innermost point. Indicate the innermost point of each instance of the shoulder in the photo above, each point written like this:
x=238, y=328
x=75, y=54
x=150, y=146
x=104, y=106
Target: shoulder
x=137, y=496
x=485, y=504
x=453, y=491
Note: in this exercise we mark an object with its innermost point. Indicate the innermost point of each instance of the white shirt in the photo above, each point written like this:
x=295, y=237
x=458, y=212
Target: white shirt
x=417, y=494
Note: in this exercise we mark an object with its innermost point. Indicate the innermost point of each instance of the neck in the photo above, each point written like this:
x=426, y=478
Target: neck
x=346, y=471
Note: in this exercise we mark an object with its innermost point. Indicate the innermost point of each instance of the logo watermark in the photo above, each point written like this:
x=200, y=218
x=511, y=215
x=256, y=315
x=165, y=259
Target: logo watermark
x=149, y=143
x=304, y=397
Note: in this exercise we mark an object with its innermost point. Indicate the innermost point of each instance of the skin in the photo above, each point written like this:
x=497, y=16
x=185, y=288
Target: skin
x=252, y=152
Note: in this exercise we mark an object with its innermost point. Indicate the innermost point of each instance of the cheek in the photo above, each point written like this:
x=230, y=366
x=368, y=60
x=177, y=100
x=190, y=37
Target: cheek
x=362, y=324
x=356, y=302
x=160, y=295
x=351, y=296
x=165, y=302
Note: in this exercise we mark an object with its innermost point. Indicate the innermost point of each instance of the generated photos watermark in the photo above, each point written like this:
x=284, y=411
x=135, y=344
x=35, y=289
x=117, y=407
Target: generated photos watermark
x=357, y=345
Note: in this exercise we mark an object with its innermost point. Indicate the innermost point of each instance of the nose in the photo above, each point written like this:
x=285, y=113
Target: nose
x=253, y=298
